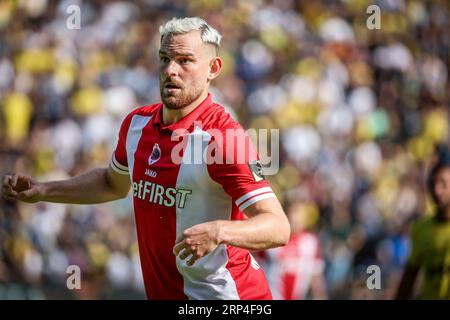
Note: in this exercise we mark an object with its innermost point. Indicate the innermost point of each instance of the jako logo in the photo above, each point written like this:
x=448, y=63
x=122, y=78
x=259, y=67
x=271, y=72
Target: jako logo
x=150, y=173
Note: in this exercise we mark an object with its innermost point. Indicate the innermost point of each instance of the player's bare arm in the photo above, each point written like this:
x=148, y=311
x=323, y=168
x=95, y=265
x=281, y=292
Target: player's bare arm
x=95, y=186
x=266, y=227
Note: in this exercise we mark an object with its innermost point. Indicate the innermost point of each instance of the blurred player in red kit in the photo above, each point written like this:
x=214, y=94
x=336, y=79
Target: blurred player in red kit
x=296, y=271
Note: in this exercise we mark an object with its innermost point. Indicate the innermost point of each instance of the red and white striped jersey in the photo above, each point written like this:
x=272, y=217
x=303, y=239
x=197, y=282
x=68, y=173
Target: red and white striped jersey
x=170, y=196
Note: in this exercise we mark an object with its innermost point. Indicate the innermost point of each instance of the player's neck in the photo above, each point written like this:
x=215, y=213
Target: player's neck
x=173, y=115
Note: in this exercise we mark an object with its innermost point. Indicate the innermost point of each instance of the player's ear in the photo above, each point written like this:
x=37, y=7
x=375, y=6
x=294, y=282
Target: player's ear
x=215, y=66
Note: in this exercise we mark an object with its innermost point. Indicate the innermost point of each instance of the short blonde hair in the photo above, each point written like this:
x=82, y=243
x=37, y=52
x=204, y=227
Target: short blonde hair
x=209, y=35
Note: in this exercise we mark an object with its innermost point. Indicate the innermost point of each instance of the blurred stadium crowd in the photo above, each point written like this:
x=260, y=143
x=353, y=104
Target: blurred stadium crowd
x=360, y=113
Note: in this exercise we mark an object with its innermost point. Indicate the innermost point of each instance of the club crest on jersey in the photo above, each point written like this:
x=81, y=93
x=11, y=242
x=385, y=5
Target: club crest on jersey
x=155, y=155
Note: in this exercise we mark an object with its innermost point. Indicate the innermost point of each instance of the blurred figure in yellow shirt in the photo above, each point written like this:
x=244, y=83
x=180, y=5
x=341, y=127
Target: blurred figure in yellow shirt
x=430, y=239
x=17, y=112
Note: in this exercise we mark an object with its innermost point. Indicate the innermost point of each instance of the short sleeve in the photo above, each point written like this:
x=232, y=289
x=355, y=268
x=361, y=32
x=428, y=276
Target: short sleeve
x=239, y=170
x=119, y=162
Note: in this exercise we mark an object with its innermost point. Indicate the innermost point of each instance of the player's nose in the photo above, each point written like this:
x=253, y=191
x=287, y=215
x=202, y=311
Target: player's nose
x=170, y=69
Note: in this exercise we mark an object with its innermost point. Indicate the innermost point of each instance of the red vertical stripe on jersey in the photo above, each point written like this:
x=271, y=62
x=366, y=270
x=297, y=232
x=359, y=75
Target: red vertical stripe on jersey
x=251, y=283
x=156, y=223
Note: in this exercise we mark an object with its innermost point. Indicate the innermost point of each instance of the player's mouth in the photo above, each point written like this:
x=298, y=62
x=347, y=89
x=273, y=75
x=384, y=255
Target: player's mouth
x=170, y=87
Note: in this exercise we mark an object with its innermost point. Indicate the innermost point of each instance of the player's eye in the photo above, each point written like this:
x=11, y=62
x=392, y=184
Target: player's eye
x=184, y=60
x=164, y=59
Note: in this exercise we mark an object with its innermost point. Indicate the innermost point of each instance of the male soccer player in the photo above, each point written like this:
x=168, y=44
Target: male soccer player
x=430, y=239
x=195, y=220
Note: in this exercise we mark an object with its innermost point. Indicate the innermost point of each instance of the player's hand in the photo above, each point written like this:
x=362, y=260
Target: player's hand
x=21, y=187
x=197, y=241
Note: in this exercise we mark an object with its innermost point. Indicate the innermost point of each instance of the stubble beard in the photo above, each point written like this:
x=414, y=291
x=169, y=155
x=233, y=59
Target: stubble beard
x=183, y=98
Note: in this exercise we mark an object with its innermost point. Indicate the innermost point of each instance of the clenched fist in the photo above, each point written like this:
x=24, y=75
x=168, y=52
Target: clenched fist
x=20, y=187
x=198, y=241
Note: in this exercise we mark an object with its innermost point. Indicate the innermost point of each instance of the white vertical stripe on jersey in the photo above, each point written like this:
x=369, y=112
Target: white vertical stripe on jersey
x=133, y=136
x=208, y=278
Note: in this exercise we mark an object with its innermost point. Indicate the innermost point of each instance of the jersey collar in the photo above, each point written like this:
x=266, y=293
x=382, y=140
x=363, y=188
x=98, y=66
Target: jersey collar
x=187, y=121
